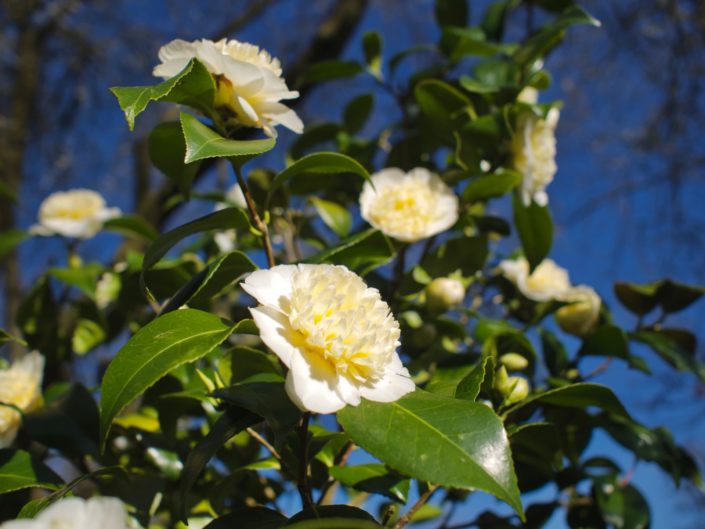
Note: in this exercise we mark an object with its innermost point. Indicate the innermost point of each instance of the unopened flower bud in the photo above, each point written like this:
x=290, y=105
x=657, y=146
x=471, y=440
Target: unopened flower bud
x=514, y=361
x=443, y=293
x=582, y=313
x=519, y=391
x=501, y=381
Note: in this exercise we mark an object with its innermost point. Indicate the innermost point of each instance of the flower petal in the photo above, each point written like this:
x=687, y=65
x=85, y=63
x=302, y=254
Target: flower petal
x=275, y=332
x=271, y=287
x=311, y=384
x=391, y=387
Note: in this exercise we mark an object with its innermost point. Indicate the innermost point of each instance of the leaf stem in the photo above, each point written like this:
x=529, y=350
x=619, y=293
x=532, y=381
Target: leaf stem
x=408, y=515
x=302, y=482
x=256, y=219
x=261, y=440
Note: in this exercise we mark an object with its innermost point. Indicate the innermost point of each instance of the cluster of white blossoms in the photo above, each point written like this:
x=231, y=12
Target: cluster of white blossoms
x=551, y=282
x=335, y=334
x=248, y=80
x=79, y=213
x=76, y=513
x=21, y=387
x=408, y=206
x=534, y=154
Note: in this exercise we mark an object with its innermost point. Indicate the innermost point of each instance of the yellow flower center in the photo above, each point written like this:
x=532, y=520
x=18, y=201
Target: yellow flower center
x=408, y=208
x=72, y=205
x=341, y=323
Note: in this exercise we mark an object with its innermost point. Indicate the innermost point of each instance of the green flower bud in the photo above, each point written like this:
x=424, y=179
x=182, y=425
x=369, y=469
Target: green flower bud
x=520, y=390
x=514, y=361
x=444, y=293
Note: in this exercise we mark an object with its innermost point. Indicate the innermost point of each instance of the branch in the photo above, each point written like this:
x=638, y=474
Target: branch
x=408, y=515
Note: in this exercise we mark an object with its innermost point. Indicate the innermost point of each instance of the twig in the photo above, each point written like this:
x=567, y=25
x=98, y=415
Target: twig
x=256, y=219
x=261, y=440
x=302, y=483
x=408, y=515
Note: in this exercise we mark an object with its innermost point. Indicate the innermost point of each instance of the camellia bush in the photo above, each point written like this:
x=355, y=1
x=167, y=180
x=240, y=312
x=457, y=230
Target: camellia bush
x=351, y=342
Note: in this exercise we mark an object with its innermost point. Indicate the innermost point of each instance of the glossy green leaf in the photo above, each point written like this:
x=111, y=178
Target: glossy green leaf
x=622, y=505
x=333, y=215
x=167, y=150
x=606, y=340
x=330, y=70
x=535, y=229
x=361, y=252
x=193, y=87
x=171, y=340
x=202, y=142
x=490, y=186
x=579, y=395
x=357, y=112
x=132, y=226
x=224, y=219
x=374, y=478
x=469, y=387
x=450, y=442
x=19, y=470
x=9, y=239
x=228, y=425
x=461, y=42
x=670, y=350
x=640, y=299
x=332, y=517
x=445, y=107
x=249, y=518
x=211, y=281
x=551, y=34
x=320, y=163
x=84, y=278
x=466, y=254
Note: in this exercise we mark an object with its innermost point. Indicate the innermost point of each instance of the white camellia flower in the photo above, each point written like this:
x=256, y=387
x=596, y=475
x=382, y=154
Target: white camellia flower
x=408, y=206
x=20, y=386
x=248, y=80
x=529, y=95
x=548, y=281
x=583, y=311
x=534, y=154
x=76, y=513
x=334, y=333
x=79, y=213
x=225, y=240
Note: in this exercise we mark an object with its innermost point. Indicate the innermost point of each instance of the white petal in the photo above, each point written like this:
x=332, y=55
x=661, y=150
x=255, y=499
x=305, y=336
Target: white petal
x=348, y=391
x=283, y=115
x=243, y=75
x=393, y=386
x=105, y=513
x=174, y=56
x=311, y=384
x=275, y=332
x=271, y=287
x=68, y=511
x=250, y=114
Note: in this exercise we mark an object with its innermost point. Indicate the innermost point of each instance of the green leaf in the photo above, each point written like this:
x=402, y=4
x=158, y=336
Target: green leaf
x=193, y=87
x=640, y=299
x=551, y=34
x=224, y=219
x=7, y=337
x=69, y=423
x=86, y=336
x=84, y=278
x=320, y=163
x=202, y=142
x=372, y=48
x=265, y=396
x=360, y=252
x=469, y=387
x=332, y=517
x=445, y=107
x=466, y=254
x=19, y=470
x=460, y=42
x=607, y=340
x=669, y=350
x=167, y=150
x=357, y=112
x=228, y=425
x=622, y=505
x=157, y=348
x=211, y=281
x=133, y=226
x=580, y=395
x=535, y=229
x=674, y=297
x=249, y=518
x=374, y=478
x=451, y=12
x=330, y=70
x=495, y=17
x=490, y=186
x=335, y=216
x=449, y=442
x=9, y=239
